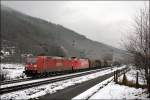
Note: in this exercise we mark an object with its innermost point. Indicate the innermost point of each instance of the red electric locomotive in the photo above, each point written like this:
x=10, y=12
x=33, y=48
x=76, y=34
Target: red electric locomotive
x=79, y=64
x=48, y=64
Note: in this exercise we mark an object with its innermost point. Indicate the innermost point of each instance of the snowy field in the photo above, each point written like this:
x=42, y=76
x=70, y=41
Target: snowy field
x=12, y=71
x=35, y=92
x=112, y=91
x=115, y=91
x=131, y=76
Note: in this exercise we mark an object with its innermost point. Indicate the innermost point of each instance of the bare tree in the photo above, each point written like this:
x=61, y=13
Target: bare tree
x=139, y=42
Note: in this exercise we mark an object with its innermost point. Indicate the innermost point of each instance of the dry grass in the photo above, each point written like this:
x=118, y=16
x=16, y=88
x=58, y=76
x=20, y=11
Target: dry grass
x=132, y=84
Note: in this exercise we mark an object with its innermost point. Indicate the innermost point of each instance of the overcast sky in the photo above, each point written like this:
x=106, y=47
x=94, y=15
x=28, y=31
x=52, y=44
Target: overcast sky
x=103, y=21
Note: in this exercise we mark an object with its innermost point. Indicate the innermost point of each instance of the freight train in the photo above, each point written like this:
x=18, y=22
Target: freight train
x=45, y=65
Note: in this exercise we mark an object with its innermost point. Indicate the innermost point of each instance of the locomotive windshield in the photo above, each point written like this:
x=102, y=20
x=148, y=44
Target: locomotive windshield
x=31, y=60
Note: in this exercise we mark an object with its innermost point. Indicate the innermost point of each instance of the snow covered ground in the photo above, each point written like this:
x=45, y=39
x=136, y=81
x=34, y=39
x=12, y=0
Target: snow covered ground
x=12, y=71
x=114, y=91
x=35, y=92
x=131, y=75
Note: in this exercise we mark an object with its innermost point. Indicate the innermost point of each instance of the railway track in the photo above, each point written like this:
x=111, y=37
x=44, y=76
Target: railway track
x=30, y=78
x=38, y=83
x=25, y=79
x=14, y=81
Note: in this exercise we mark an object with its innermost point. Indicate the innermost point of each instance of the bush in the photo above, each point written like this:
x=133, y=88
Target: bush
x=3, y=76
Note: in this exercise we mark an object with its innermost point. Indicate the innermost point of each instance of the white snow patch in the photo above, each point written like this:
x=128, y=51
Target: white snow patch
x=115, y=91
x=12, y=71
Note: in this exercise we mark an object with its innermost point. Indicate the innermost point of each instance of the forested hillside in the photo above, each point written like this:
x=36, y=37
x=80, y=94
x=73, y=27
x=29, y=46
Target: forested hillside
x=29, y=35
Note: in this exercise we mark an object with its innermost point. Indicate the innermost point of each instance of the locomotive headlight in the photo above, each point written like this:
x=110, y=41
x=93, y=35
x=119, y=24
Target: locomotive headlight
x=35, y=66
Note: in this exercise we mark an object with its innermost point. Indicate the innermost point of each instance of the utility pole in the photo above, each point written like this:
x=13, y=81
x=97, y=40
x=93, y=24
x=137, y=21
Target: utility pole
x=73, y=44
x=148, y=31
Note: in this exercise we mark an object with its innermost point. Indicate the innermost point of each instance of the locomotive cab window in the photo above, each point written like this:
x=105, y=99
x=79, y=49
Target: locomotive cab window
x=31, y=60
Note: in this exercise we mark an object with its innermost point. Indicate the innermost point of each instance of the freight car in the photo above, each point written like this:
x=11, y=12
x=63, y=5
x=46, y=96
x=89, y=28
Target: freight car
x=47, y=64
x=100, y=63
x=95, y=63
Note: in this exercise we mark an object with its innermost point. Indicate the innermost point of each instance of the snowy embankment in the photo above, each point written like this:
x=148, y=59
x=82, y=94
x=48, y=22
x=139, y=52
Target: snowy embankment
x=12, y=71
x=35, y=92
x=114, y=91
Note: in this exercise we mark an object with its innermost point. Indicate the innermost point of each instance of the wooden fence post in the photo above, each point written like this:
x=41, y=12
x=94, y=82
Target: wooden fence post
x=117, y=76
x=137, y=83
x=124, y=79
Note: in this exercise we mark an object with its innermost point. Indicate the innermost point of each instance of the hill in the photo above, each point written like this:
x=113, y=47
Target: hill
x=30, y=35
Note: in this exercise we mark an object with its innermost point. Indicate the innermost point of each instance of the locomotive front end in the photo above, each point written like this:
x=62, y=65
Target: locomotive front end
x=31, y=66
